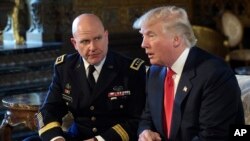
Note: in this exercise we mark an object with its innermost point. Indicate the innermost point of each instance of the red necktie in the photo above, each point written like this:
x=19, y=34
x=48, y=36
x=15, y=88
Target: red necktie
x=168, y=100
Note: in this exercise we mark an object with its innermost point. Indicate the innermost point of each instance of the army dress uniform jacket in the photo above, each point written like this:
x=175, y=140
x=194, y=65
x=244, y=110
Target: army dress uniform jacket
x=112, y=110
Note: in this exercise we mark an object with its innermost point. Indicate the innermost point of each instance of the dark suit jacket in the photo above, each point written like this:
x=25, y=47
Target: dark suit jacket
x=113, y=109
x=207, y=100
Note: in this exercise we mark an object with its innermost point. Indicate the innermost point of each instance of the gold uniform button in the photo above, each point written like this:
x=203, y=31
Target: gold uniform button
x=91, y=108
x=93, y=118
x=94, y=130
x=121, y=106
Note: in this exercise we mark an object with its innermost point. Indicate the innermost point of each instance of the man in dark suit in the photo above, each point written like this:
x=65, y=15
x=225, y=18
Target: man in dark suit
x=205, y=93
x=110, y=108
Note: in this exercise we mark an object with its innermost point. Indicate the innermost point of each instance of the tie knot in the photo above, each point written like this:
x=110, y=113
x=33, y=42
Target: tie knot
x=170, y=72
x=91, y=69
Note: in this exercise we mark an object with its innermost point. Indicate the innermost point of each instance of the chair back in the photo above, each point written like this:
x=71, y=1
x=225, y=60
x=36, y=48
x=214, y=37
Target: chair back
x=210, y=40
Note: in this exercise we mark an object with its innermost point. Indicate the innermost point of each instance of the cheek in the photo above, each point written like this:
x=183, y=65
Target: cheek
x=162, y=48
x=82, y=50
x=158, y=45
x=102, y=45
x=78, y=47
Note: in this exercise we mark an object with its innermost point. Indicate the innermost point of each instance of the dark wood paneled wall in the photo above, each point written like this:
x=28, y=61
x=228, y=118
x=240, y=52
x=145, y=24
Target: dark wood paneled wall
x=118, y=15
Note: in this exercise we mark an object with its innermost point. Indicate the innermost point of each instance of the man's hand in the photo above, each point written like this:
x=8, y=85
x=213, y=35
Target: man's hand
x=59, y=139
x=148, y=135
x=92, y=139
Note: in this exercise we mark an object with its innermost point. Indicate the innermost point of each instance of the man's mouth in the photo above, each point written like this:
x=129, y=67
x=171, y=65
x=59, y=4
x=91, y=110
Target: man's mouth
x=150, y=55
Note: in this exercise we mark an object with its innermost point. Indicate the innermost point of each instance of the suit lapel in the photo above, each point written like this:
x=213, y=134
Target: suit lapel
x=160, y=104
x=182, y=91
x=156, y=95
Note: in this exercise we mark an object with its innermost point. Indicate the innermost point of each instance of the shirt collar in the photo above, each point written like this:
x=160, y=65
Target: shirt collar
x=98, y=67
x=178, y=65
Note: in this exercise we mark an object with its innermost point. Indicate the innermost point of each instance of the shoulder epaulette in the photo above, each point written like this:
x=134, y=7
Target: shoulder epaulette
x=136, y=64
x=60, y=59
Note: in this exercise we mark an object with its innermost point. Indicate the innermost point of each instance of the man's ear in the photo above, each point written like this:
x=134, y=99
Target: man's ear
x=106, y=34
x=176, y=41
x=73, y=41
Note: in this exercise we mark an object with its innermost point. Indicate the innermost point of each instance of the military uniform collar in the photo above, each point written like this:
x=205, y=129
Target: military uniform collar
x=98, y=67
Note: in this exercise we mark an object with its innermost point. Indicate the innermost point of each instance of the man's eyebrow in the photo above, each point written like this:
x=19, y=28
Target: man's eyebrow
x=147, y=32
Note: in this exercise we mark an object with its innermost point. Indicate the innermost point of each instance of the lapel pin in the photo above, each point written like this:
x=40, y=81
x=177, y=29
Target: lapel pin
x=185, y=89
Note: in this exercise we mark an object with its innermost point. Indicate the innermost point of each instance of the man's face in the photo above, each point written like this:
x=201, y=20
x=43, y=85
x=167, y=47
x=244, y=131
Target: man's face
x=92, y=44
x=158, y=44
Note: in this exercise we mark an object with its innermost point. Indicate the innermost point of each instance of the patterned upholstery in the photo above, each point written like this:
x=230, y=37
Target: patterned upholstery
x=244, y=83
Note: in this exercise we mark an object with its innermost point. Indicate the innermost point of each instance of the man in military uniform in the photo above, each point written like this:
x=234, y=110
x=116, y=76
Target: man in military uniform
x=109, y=110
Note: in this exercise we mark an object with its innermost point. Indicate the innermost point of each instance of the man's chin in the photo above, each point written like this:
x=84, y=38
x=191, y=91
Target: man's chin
x=152, y=62
x=95, y=61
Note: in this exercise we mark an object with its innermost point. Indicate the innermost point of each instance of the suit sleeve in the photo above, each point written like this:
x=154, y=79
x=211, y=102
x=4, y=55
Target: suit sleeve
x=52, y=111
x=146, y=119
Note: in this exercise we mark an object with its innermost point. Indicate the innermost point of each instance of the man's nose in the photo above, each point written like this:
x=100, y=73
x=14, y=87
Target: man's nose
x=92, y=45
x=144, y=43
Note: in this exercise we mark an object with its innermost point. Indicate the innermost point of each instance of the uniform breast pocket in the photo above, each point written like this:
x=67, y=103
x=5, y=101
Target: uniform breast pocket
x=118, y=101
